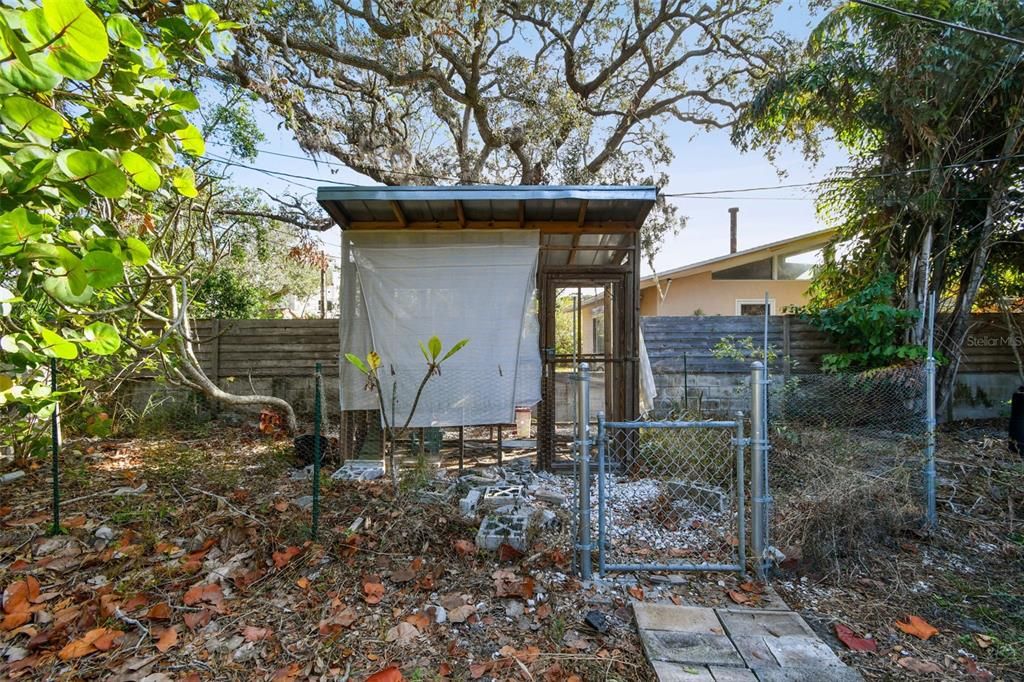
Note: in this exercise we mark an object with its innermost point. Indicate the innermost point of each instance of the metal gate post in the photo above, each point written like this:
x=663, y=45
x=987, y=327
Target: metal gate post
x=601, y=472
x=758, y=459
x=583, y=453
x=932, y=515
x=741, y=503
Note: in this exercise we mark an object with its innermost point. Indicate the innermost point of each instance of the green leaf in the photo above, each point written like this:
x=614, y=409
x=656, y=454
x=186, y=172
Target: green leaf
x=191, y=140
x=22, y=113
x=19, y=225
x=434, y=344
x=83, y=30
x=201, y=13
x=121, y=29
x=60, y=289
x=184, y=100
x=101, y=338
x=103, y=269
x=54, y=345
x=357, y=362
x=6, y=297
x=423, y=349
x=74, y=271
x=37, y=78
x=455, y=349
x=72, y=65
x=99, y=172
x=138, y=250
x=184, y=180
x=141, y=170
x=13, y=43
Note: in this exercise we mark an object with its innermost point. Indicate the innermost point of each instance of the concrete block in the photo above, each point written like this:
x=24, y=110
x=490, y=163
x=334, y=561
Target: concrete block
x=694, y=648
x=708, y=497
x=436, y=492
x=763, y=623
x=500, y=495
x=672, y=618
x=359, y=470
x=12, y=476
x=496, y=530
x=468, y=504
x=550, y=496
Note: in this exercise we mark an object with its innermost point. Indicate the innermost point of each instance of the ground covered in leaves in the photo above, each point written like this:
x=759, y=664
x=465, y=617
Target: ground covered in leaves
x=190, y=558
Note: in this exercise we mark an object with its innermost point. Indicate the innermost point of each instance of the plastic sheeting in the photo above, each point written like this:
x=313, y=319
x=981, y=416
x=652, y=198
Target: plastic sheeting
x=404, y=286
x=648, y=390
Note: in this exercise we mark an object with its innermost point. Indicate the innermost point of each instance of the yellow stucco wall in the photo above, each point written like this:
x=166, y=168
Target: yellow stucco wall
x=718, y=297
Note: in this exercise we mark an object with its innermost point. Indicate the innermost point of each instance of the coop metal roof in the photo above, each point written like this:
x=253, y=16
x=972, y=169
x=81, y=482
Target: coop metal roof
x=579, y=225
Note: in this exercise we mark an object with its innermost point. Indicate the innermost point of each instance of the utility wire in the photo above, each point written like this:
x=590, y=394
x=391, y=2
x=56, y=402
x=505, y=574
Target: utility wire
x=827, y=181
x=940, y=22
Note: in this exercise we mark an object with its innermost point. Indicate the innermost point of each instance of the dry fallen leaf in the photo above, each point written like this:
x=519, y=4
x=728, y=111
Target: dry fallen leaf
x=916, y=665
x=739, y=597
x=419, y=620
x=168, y=638
x=636, y=592
x=391, y=674
x=161, y=611
x=86, y=645
x=464, y=548
x=281, y=559
x=847, y=637
x=404, y=633
x=983, y=641
x=303, y=583
x=918, y=627
x=373, y=592
x=255, y=634
x=543, y=611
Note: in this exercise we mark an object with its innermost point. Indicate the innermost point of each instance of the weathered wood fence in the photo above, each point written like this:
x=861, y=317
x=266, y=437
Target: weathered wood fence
x=277, y=357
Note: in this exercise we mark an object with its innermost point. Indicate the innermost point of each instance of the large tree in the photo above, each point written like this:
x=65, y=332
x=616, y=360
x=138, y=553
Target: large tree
x=932, y=118
x=504, y=91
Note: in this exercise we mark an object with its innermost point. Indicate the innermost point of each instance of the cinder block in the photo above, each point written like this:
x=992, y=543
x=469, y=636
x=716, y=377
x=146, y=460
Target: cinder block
x=496, y=530
x=500, y=495
x=359, y=470
x=468, y=504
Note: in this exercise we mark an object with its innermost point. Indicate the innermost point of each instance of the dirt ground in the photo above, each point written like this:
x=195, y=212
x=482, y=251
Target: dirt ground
x=189, y=558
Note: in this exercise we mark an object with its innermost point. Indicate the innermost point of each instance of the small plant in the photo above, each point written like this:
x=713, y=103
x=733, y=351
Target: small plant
x=370, y=367
x=867, y=328
x=743, y=349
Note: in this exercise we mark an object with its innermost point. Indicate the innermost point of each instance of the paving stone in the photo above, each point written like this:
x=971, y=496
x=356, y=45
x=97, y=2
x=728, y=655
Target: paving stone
x=799, y=651
x=763, y=623
x=695, y=648
x=674, y=618
x=815, y=674
x=679, y=672
x=723, y=674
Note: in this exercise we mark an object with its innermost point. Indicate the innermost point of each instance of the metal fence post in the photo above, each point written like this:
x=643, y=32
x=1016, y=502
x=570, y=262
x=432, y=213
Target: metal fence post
x=583, y=452
x=55, y=444
x=741, y=503
x=601, y=472
x=759, y=441
x=932, y=516
x=318, y=381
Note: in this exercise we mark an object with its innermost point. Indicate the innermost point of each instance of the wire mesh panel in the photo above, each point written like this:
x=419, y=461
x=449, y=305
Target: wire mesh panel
x=846, y=459
x=671, y=495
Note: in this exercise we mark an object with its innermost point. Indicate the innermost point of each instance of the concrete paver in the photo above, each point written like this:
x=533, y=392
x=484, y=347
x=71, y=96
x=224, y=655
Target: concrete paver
x=735, y=645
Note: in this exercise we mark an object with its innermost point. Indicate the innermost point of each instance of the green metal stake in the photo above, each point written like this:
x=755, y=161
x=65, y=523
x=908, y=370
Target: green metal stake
x=316, y=455
x=55, y=446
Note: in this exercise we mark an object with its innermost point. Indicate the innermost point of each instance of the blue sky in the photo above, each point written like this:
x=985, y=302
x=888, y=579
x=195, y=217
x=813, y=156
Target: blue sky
x=704, y=161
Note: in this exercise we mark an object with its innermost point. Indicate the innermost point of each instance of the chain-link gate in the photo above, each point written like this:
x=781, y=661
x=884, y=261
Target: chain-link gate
x=671, y=495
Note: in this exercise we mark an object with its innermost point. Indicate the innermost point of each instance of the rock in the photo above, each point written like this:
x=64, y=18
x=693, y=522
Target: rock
x=440, y=614
x=550, y=496
x=12, y=476
x=597, y=620
x=304, y=474
x=514, y=608
x=304, y=502
x=104, y=533
x=244, y=653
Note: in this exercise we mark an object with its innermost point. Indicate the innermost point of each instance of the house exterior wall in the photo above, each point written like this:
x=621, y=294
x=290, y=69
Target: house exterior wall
x=718, y=296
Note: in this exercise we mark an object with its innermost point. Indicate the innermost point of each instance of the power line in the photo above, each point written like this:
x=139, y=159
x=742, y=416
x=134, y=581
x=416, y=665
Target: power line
x=940, y=22
x=827, y=181
x=339, y=164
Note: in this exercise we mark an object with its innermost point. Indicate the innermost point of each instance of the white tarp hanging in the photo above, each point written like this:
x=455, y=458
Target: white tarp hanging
x=409, y=285
x=648, y=389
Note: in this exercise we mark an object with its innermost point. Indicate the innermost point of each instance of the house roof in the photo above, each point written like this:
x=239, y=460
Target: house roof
x=579, y=225
x=808, y=240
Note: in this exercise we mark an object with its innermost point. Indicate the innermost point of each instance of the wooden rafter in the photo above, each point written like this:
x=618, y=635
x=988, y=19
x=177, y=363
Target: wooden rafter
x=399, y=214
x=460, y=211
x=521, y=212
x=545, y=226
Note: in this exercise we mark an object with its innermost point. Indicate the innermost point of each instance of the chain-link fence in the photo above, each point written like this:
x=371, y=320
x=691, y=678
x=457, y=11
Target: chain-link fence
x=671, y=495
x=846, y=461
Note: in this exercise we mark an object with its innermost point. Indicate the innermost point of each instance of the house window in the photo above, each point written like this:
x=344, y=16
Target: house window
x=598, y=326
x=754, y=306
x=761, y=269
x=798, y=265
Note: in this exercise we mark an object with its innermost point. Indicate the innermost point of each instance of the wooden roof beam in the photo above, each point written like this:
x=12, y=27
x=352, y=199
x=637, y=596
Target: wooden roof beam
x=460, y=211
x=399, y=213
